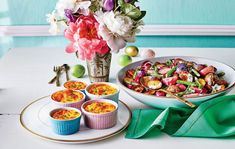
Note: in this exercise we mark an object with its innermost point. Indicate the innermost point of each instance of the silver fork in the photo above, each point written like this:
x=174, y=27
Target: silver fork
x=57, y=70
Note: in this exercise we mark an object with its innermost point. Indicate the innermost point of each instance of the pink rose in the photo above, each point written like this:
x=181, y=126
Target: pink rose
x=84, y=38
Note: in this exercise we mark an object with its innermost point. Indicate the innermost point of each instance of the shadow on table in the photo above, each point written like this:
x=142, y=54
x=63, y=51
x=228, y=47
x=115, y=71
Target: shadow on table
x=2, y=89
x=112, y=80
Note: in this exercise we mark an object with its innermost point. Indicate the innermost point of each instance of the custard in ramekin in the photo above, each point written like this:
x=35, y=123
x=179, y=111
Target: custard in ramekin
x=68, y=98
x=100, y=113
x=103, y=90
x=65, y=121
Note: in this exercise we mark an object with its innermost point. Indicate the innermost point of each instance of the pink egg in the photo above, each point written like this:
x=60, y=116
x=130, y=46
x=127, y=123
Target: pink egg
x=147, y=53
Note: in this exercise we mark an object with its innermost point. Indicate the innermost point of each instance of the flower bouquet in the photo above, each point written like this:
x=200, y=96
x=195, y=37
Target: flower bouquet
x=95, y=29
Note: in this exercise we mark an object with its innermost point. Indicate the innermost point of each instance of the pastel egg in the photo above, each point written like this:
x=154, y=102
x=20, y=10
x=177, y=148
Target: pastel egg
x=148, y=53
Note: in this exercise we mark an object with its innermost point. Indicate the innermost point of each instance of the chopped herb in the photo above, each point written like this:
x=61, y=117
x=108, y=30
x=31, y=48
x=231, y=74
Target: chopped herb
x=169, y=62
x=221, y=74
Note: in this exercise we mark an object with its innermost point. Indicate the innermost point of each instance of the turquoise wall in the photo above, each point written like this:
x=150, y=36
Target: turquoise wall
x=219, y=12
x=200, y=12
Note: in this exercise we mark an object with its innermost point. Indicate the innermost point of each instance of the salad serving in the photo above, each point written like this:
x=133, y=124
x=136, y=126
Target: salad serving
x=175, y=77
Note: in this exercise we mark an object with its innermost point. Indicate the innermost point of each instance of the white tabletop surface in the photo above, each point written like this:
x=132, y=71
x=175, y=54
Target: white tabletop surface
x=24, y=73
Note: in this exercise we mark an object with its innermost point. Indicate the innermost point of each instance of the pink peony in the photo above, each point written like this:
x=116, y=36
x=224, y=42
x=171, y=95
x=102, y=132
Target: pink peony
x=84, y=38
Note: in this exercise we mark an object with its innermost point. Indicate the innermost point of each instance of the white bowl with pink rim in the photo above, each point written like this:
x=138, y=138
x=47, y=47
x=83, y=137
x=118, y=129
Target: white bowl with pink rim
x=113, y=97
x=100, y=120
x=76, y=104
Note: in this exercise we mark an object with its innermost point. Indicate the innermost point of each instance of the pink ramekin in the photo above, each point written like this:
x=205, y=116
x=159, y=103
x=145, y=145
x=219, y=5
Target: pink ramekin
x=77, y=104
x=100, y=121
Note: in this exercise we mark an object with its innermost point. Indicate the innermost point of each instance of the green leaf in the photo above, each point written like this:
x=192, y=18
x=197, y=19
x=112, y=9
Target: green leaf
x=121, y=2
x=143, y=13
x=131, y=11
x=133, y=2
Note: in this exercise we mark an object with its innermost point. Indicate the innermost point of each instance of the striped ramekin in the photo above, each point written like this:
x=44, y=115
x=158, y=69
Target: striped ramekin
x=113, y=97
x=65, y=127
x=100, y=121
x=77, y=104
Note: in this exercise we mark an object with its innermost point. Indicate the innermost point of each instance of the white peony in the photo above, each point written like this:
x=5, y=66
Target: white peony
x=74, y=5
x=115, y=29
x=114, y=42
x=57, y=17
x=118, y=24
x=55, y=25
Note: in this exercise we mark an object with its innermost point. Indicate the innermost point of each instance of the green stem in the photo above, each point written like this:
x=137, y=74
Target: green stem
x=116, y=8
x=61, y=20
x=199, y=84
x=195, y=72
x=134, y=75
x=186, y=83
x=170, y=72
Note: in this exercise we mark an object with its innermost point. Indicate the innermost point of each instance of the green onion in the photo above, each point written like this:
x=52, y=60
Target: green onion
x=170, y=72
x=186, y=83
x=195, y=72
x=199, y=84
x=134, y=75
x=180, y=94
x=187, y=91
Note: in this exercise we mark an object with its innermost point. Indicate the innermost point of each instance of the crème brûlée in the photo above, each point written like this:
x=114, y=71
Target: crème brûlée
x=102, y=89
x=67, y=96
x=65, y=114
x=99, y=107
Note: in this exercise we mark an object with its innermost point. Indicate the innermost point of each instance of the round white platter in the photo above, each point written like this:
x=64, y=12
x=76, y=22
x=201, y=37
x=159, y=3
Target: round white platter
x=35, y=119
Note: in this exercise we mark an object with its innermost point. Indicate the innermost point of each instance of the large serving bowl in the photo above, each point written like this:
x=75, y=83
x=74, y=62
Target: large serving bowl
x=164, y=102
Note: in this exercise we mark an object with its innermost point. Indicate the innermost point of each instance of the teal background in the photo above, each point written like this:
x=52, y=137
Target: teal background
x=170, y=12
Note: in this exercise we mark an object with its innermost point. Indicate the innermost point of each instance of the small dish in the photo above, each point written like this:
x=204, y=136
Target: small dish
x=75, y=85
x=65, y=121
x=102, y=90
x=68, y=98
x=104, y=118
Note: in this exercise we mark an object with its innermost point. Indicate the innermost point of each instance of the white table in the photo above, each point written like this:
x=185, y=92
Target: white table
x=24, y=73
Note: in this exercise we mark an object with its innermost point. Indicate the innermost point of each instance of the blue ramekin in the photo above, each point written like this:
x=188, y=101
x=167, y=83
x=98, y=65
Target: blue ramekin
x=65, y=127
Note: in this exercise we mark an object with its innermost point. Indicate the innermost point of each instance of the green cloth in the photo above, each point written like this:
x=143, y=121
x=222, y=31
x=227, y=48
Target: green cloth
x=214, y=118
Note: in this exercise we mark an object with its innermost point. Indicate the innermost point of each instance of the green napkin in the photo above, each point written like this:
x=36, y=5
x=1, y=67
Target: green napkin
x=214, y=118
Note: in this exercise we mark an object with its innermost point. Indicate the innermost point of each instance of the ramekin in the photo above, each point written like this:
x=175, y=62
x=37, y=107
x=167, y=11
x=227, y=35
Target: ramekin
x=65, y=127
x=82, y=90
x=100, y=121
x=113, y=97
x=77, y=104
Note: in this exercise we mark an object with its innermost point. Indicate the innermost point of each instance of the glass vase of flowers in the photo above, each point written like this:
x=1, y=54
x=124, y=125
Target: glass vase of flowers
x=95, y=29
